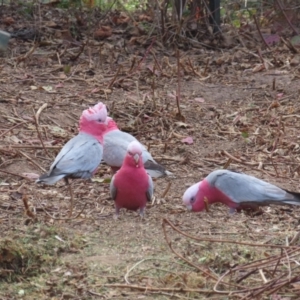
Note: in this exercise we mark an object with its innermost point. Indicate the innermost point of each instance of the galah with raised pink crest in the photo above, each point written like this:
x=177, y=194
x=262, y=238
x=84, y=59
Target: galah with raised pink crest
x=115, y=147
x=131, y=187
x=81, y=155
x=236, y=190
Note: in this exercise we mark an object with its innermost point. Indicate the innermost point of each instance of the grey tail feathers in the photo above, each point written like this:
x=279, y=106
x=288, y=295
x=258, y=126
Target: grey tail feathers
x=156, y=170
x=296, y=200
x=48, y=179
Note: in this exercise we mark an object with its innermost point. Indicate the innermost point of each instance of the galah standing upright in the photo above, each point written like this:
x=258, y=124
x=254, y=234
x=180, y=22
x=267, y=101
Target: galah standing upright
x=80, y=156
x=236, y=190
x=115, y=148
x=131, y=187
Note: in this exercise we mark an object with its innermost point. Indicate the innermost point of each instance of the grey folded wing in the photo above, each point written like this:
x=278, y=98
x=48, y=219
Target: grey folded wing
x=149, y=193
x=245, y=189
x=115, y=148
x=79, y=158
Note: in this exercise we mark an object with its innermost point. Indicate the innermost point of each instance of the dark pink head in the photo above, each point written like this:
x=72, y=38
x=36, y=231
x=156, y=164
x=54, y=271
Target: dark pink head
x=133, y=157
x=111, y=125
x=195, y=196
x=94, y=121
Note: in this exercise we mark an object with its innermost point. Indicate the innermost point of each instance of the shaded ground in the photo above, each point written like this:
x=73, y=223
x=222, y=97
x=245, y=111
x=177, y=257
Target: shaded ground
x=228, y=109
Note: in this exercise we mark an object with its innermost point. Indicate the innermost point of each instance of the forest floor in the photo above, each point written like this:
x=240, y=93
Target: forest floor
x=235, y=112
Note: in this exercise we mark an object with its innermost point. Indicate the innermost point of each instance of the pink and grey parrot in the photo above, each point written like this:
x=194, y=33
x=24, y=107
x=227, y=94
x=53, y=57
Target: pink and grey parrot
x=80, y=156
x=236, y=190
x=115, y=148
x=131, y=187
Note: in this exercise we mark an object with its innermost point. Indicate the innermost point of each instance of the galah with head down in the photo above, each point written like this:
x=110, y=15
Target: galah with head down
x=131, y=187
x=115, y=147
x=236, y=190
x=80, y=156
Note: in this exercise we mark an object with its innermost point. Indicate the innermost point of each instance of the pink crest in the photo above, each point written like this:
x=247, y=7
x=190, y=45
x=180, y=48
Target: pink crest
x=96, y=113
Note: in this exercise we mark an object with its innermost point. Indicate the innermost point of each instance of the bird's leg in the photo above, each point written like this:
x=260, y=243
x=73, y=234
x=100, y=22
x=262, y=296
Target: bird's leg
x=142, y=213
x=116, y=215
x=72, y=196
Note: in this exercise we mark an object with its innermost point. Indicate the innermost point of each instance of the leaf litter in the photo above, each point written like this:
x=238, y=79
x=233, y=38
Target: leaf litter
x=249, y=121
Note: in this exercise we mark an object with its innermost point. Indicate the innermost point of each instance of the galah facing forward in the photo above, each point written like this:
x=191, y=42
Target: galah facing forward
x=131, y=187
x=115, y=147
x=236, y=190
x=80, y=156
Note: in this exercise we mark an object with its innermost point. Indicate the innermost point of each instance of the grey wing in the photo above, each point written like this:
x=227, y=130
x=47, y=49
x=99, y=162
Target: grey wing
x=242, y=188
x=150, y=189
x=115, y=147
x=113, y=189
x=79, y=157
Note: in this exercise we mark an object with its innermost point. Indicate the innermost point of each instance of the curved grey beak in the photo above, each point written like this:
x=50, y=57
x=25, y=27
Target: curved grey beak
x=136, y=158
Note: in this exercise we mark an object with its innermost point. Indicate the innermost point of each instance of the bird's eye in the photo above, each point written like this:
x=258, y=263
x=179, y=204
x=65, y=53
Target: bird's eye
x=99, y=120
x=193, y=199
x=130, y=153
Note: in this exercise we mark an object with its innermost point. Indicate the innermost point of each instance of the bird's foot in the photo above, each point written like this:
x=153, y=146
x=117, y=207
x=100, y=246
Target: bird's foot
x=116, y=215
x=142, y=213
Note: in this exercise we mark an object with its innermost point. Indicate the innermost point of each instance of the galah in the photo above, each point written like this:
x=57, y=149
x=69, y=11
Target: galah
x=131, y=187
x=115, y=146
x=80, y=156
x=236, y=190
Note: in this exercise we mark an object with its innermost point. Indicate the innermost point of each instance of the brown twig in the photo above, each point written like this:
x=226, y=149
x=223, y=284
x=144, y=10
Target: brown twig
x=114, y=78
x=30, y=159
x=207, y=273
x=288, y=20
x=150, y=288
x=65, y=219
x=144, y=57
x=36, y=123
x=8, y=130
x=23, y=57
x=28, y=212
x=75, y=57
x=166, y=190
x=15, y=174
x=223, y=240
x=259, y=32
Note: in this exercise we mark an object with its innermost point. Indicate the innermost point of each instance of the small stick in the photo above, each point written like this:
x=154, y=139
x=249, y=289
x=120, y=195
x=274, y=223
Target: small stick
x=28, y=212
x=38, y=113
x=30, y=159
x=259, y=32
x=72, y=196
x=274, y=84
x=157, y=63
x=8, y=130
x=34, y=147
x=79, y=53
x=142, y=60
x=114, y=78
x=206, y=67
x=178, y=83
x=23, y=57
x=65, y=219
x=166, y=190
x=156, y=289
x=36, y=123
x=206, y=204
x=262, y=275
x=15, y=174
x=288, y=20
